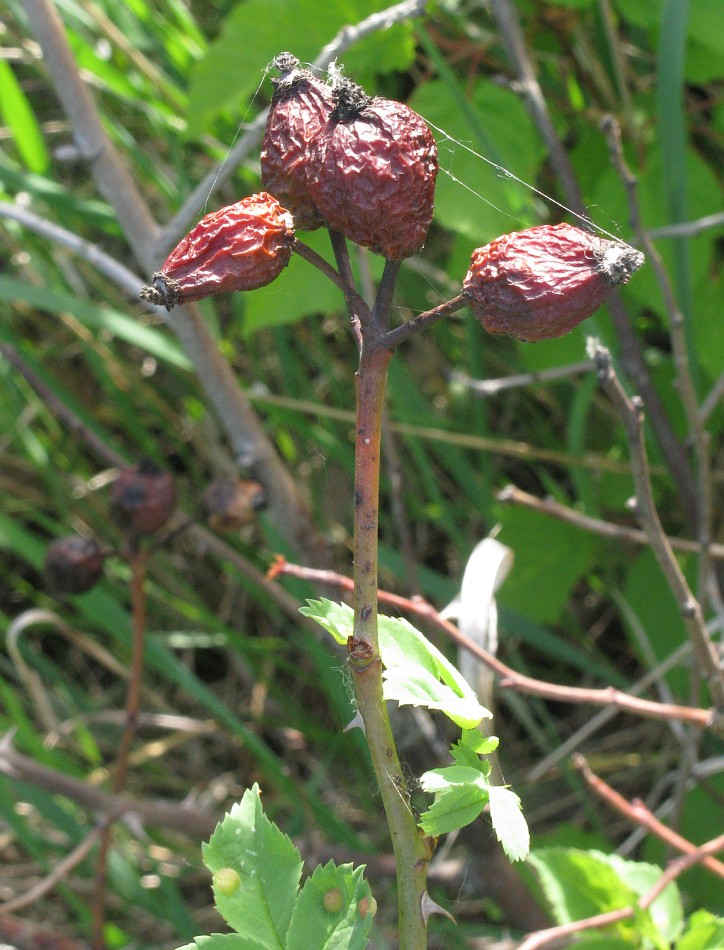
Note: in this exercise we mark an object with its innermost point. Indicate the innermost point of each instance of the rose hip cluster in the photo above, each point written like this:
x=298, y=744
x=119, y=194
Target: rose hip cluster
x=142, y=502
x=366, y=167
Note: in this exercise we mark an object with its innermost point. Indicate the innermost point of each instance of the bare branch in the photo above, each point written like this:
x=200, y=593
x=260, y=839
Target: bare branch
x=639, y=814
x=631, y=413
x=548, y=506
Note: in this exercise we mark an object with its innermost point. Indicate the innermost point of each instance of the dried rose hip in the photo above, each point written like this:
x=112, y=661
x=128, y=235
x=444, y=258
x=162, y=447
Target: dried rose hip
x=374, y=176
x=542, y=282
x=143, y=498
x=241, y=247
x=73, y=564
x=230, y=503
x=299, y=111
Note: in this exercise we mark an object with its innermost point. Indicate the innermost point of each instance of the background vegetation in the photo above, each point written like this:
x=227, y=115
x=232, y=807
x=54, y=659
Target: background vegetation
x=237, y=688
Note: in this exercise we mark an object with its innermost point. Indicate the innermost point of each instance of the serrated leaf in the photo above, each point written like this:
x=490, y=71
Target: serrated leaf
x=336, y=619
x=511, y=828
x=269, y=868
x=417, y=673
x=222, y=942
x=579, y=884
x=454, y=808
x=332, y=927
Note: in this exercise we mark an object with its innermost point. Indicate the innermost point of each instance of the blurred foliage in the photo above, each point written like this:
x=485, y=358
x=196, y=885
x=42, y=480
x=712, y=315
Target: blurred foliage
x=266, y=698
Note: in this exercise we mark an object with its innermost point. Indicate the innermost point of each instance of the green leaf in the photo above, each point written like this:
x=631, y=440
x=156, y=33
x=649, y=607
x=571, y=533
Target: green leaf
x=511, y=828
x=328, y=915
x=705, y=932
x=417, y=673
x=269, y=868
x=336, y=619
x=471, y=746
x=18, y=116
x=222, y=942
x=581, y=884
x=461, y=794
x=472, y=196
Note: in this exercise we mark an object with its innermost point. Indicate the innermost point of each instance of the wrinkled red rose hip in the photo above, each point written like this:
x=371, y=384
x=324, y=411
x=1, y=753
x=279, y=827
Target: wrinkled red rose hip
x=542, y=282
x=374, y=173
x=241, y=247
x=299, y=111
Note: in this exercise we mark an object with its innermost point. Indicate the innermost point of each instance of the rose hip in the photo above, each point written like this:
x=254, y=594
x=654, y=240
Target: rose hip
x=143, y=498
x=374, y=173
x=73, y=564
x=299, y=111
x=542, y=282
x=241, y=247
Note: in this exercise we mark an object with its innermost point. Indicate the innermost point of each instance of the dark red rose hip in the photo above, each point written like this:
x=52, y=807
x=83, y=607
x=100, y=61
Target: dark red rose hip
x=241, y=247
x=73, y=564
x=299, y=111
x=143, y=498
x=374, y=173
x=542, y=282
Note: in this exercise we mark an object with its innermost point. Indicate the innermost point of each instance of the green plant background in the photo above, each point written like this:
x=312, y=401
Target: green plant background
x=175, y=84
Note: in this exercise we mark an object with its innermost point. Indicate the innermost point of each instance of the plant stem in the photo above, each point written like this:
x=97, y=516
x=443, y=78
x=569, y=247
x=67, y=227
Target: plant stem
x=412, y=851
x=138, y=562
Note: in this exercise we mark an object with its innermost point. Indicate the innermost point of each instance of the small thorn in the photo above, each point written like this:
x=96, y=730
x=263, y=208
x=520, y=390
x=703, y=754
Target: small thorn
x=428, y=906
x=357, y=723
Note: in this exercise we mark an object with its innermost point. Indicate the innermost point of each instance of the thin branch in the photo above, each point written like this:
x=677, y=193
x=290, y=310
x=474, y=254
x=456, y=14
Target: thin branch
x=110, y=172
x=316, y=260
x=639, y=814
x=491, y=387
x=548, y=506
x=59, y=872
x=508, y=677
x=110, y=807
x=632, y=358
x=87, y=250
x=422, y=321
x=677, y=335
x=631, y=413
x=688, y=228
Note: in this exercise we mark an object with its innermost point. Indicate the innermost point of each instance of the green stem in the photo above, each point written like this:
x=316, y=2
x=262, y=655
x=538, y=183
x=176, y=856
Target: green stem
x=412, y=850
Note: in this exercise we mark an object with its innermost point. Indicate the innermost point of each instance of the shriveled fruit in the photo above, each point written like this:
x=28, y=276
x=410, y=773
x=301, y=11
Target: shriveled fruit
x=73, y=564
x=241, y=247
x=542, y=282
x=299, y=111
x=143, y=498
x=374, y=173
x=230, y=503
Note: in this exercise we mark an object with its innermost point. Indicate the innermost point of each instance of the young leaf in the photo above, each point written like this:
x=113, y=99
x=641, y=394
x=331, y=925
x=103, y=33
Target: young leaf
x=333, y=912
x=579, y=884
x=471, y=745
x=269, y=868
x=453, y=808
x=336, y=619
x=510, y=826
x=222, y=942
x=417, y=673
